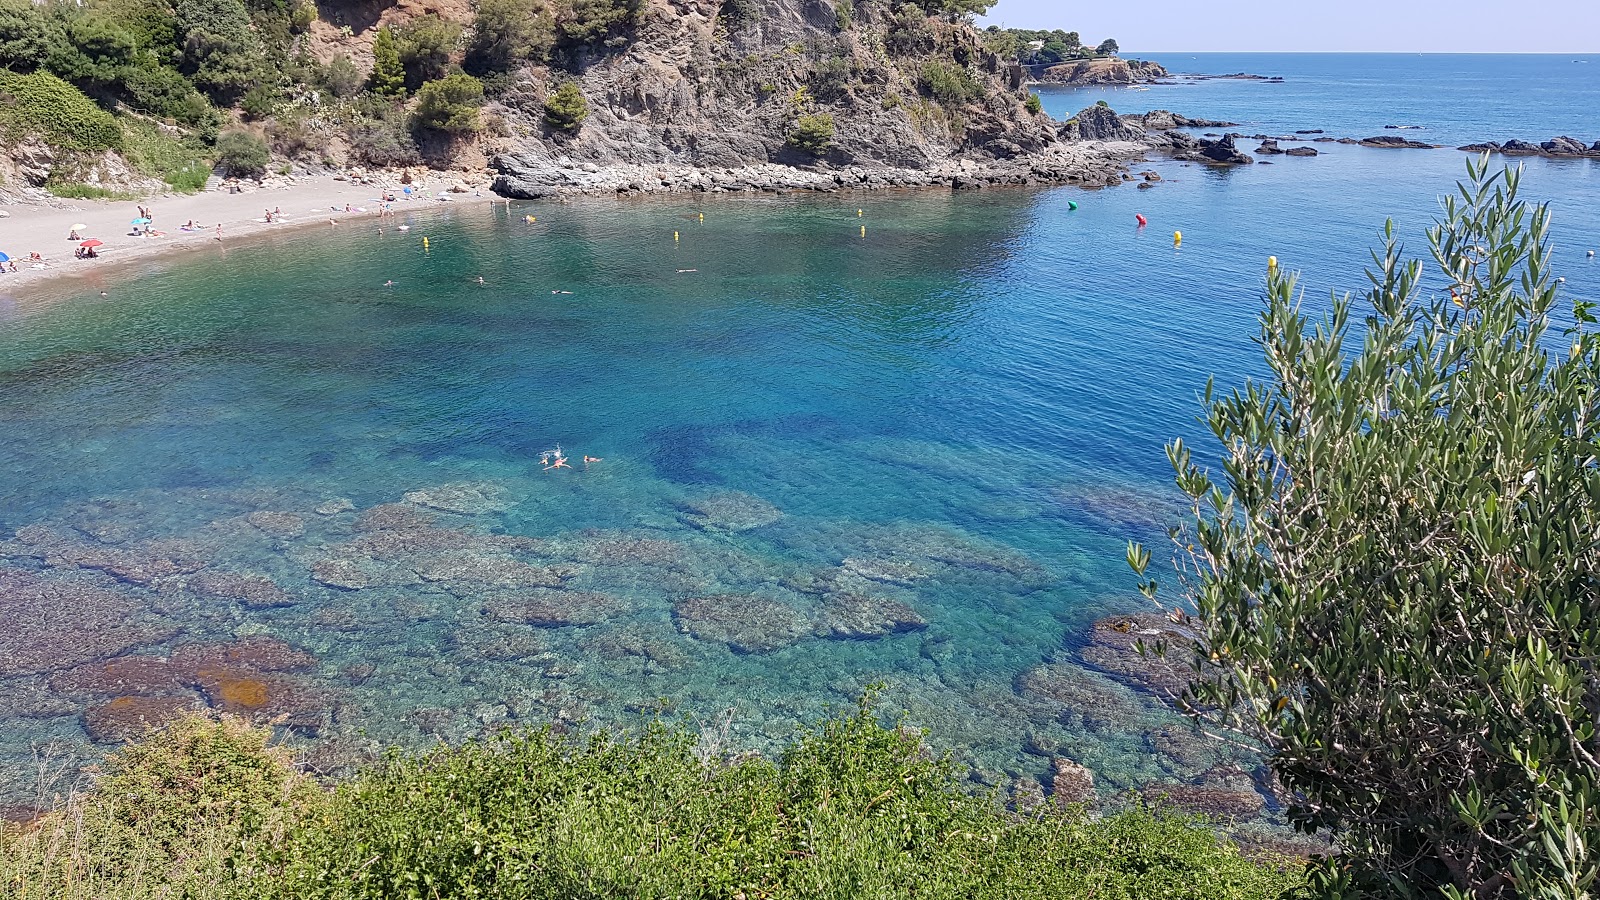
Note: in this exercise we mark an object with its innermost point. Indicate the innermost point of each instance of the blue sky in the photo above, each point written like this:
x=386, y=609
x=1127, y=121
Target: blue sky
x=1431, y=26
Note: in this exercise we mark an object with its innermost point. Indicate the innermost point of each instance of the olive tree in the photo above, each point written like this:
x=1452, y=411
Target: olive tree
x=1393, y=581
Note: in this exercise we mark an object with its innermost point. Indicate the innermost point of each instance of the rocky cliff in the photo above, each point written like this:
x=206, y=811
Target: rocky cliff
x=1106, y=70
x=698, y=102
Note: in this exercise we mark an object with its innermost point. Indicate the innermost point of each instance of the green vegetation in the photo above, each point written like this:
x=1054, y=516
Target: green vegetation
x=507, y=32
x=1393, y=582
x=241, y=154
x=450, y=104
x=812, y=134
x=597, y=23
x=182, y=162
x=1034, y=104
x=851, y=809
x=388, y=75
x=69, y=190
x=1042, y=48
x=566, y=109
x=41, y=103
x=736, y=14
x=424, y=46
x=948, y=83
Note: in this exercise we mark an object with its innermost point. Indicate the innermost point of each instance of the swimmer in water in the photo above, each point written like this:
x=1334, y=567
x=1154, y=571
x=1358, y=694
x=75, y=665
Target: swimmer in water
x=681, y=271
x=560, y=463
x=590, y=459
x=560, y=292
x=388, y=284
x=480, y=280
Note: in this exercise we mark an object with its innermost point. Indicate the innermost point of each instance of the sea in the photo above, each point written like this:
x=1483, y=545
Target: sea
x=817, y=446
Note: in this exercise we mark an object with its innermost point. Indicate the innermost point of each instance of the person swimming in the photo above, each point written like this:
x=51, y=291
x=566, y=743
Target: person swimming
x=480, y=280
x=560, y=463
x=388, y=284
x=590, y=459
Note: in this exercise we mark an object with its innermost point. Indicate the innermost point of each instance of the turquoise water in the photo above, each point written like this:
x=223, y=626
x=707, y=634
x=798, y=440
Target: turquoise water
x=911, y=457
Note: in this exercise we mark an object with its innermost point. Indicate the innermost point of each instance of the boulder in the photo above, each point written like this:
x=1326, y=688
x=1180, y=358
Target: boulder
x=860, y=617
x=1516, y=147
x=1483, y=147
x=1394, y=141
x=1070, y=782
x=1269, y=146
x=1300, y=151
x=1101, y=123
x=1222, y=151
x=1115, y=648
x=747, y=624
x=1564, y=146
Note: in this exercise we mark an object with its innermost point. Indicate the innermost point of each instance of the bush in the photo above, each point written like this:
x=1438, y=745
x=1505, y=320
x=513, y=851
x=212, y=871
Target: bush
x=221, y=53
x=340, y=77
x=295, y=138
x=505, y=32
x=258, y=102
x=165, y=93
x=26, y=35
x=182, y=163
x=176, y=815
x=70, y=190
x=949, y=84
x=812, y=134
x=40, y=103
x=381, y=143
x=1394, y=583
x=92, y=53
x=388, y=75
x=736, y=14
x=241, y=154
x=1034, y=104
x=566, y=109
x=450, y=104
x=844, y=14
x=592, y=22
x=830, y=79
x=424, y=46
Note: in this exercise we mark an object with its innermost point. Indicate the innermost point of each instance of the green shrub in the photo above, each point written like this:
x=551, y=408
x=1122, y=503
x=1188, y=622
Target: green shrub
x=221, y=52
x=830, y=79
x=181, y=162
x=844, y=14
x=506, y=32
x=41, y=103
x=424, y=46
x=381, y=143
x=812, y=134
x=1393, y=582
x=241, y=154
x=72, y=190
x=27, y=35
x=258, y=102
x=292, y=136
x=388, y=75
x=736, y=14
x=851, y=810
x=340, y=77
x=165, y=93
x=93, y=53
x=585, y=23
x=1034, y=104
x=566, y=109
x=949, y=84
x=450, y=104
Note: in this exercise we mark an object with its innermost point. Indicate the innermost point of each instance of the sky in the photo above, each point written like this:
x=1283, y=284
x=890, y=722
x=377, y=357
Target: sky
x=1421, y=26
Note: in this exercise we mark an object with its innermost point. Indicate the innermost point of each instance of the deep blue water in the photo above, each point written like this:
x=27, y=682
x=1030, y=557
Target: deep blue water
x=962, y=411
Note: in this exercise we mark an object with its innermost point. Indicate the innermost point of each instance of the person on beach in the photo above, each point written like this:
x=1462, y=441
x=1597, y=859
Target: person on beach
x=73, y=235
x=219, y=231
x=268, y=214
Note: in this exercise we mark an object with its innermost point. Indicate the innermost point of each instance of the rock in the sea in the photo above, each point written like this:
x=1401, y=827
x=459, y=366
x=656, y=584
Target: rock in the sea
x=1101, y=123
x=552, y=608
x=1222, y=151
x=336, y=506
x=1564, y=146
x=1394, y=141
x=466, y=498
x=729, y=511
x=54, y=623
x=125, y=718
x=1114, y=648
x=249, y=590
x=276, y=523
x=1269, y=146
x=1225, y=792
x=1300, y=151
x=1515, y=147
x=859, y=617
x=746, y=623
x=1484, y=147
x=1070, y=782
x=1078, y=696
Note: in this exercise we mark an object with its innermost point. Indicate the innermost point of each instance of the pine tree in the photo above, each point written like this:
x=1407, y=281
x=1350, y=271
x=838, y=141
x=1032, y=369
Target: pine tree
x=388, y=76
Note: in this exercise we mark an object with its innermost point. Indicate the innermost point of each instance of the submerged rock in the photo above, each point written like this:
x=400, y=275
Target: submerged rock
x=1070, y=782
x=57, y=622
x=466, y=498
x=252, y=591
x=858, y=617
x=746, y=623
x=1078, y=696
x=553, y=608
x=277, y=524
x=126, y=718
x=1114, y=648
x=729, y=511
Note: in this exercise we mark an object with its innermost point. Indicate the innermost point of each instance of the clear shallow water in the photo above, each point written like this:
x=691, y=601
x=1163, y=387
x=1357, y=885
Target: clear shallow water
x=958, y=417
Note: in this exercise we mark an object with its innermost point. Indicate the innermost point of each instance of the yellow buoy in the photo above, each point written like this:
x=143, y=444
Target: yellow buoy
x=702, y=217
x=863, y=231
x=674, y=235
x=424, y=243
x=1272, y=262
x=858, y=213
x=1177, y=238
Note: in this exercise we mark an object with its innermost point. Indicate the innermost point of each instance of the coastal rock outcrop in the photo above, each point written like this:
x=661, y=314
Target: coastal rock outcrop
x=1269, y=146
x=1101, y=123
x=1395, y=141
x=1105, y=70
x=1222, y=151
x=1300, y=151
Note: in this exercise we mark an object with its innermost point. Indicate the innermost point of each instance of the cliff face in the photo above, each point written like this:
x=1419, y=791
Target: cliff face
x=693, y=88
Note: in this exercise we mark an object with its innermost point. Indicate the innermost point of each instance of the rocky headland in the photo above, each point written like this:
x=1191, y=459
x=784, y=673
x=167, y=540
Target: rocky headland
x=1109, y=70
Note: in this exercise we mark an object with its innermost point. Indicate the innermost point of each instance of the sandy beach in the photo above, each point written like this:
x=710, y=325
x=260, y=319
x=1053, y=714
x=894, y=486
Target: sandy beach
x=320, y=201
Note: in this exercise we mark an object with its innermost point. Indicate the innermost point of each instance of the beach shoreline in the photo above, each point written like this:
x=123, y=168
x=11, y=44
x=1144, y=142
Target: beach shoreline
x=307, y=202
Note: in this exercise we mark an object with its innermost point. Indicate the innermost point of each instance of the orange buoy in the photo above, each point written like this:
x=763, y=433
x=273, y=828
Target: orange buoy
x=1142, y=220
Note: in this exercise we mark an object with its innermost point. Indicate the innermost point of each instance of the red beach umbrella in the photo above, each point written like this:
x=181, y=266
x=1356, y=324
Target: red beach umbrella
x=92, y=242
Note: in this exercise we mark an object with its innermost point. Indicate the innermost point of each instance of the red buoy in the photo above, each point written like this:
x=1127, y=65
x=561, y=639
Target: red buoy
x=1142, y=220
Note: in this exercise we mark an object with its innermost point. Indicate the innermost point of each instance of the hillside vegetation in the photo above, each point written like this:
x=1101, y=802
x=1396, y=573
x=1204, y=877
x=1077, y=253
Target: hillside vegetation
x=851, y=809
